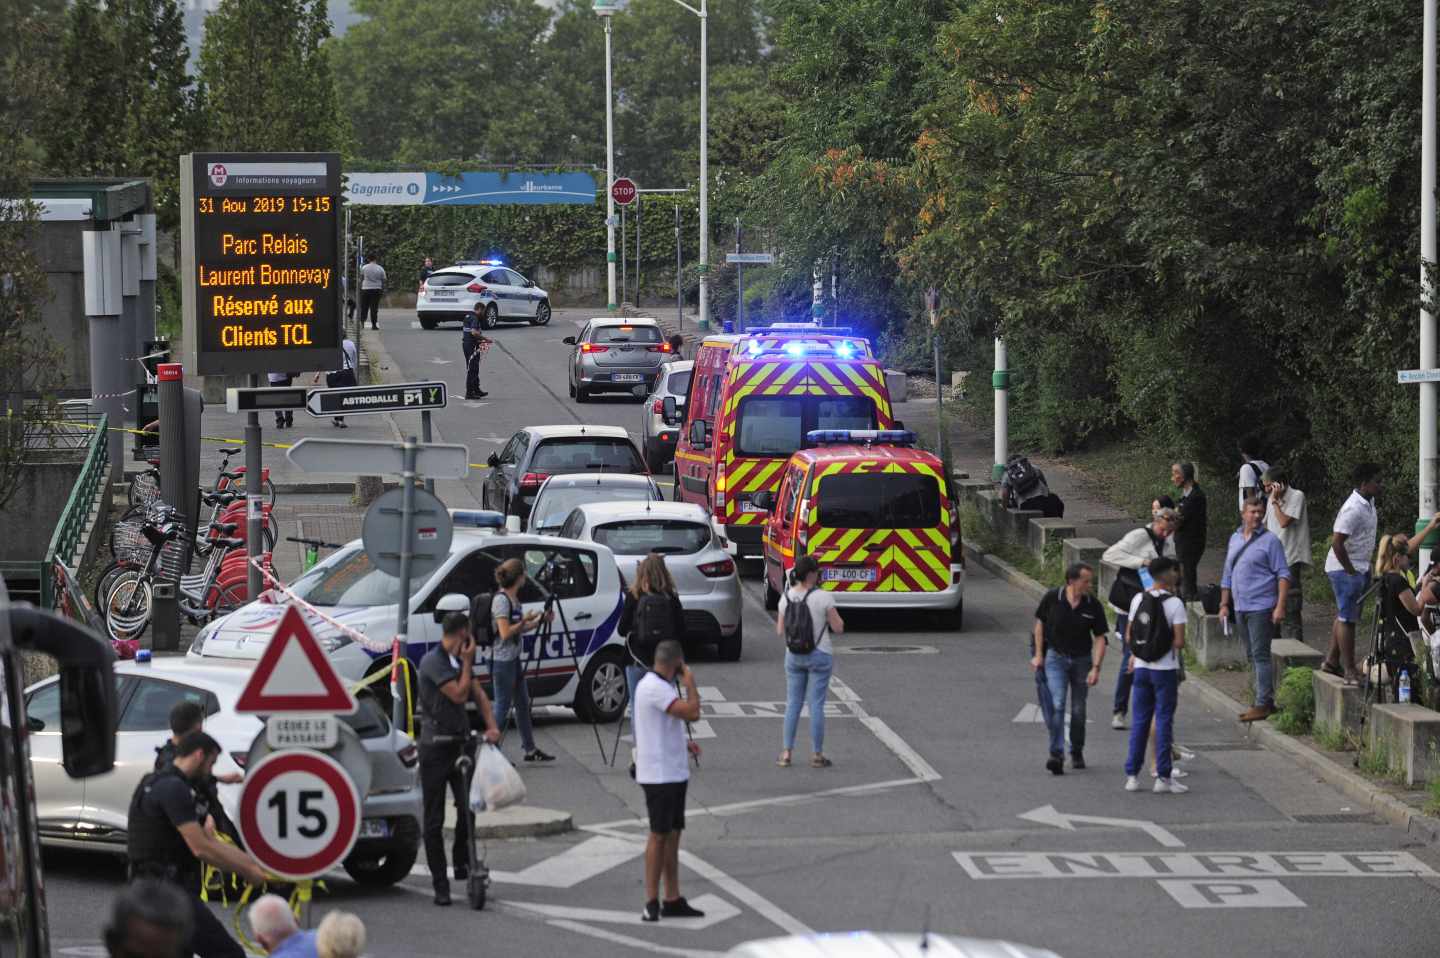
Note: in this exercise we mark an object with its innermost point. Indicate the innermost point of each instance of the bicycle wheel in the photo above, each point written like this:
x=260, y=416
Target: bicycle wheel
x=127, y=608
x=108, y=577
x=145, y=487
x=267, y=489
x=230, y=598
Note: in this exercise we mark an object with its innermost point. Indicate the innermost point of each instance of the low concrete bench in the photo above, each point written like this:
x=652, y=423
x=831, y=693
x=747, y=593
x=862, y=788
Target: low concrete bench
x=1008, y=523
x=1084, y=550
x=1337, y=705
x=1212, y=647
x=1285, y=653
x=1410, y=735
x=1039, y=533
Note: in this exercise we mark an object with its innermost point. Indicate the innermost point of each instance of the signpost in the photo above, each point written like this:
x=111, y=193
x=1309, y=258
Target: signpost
x=624, y=191
x=264, y=398
x=294, y=675
x=299, y=813
x=1408, y=376
x=385, y=540
x=750, y=259
x=361, y=400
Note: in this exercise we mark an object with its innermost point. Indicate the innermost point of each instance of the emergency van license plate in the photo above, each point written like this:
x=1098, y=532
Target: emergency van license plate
x=851, y=574
x=626, y=378
x=374, y=828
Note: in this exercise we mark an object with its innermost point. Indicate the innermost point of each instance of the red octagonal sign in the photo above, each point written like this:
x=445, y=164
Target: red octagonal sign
x=299, y=813
x=624, y=190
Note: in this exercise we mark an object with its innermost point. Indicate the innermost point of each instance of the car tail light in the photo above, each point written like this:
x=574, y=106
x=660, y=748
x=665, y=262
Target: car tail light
x=662, y=348
x=593, y=348
x=408, y=756
x=957, y=550
x=718, y=569
x=802, y=527
x=658, y=406
x=240, y=758
x=476, y=288
x=664, y=437
x=719, y=502
x=532, y=480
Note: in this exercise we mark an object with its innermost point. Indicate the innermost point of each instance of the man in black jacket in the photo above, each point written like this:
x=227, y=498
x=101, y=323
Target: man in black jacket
x=1190, y=537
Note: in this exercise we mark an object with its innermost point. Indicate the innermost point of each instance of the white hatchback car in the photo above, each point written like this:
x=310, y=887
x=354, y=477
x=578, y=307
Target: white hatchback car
x=558, y=495
x=659, y=435
x=449, y=295
x=704, y=573
x=579, y=663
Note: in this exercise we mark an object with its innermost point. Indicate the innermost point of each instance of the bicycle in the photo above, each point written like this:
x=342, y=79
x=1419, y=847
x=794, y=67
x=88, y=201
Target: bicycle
x=145, y=486
x=227, y=507
x=312, y=550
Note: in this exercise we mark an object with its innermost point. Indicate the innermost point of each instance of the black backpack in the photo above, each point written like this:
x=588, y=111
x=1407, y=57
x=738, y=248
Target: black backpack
x=1021, y=477
x=1150, y=633
x=654, y=623
x=800, y=627
x=481, y=628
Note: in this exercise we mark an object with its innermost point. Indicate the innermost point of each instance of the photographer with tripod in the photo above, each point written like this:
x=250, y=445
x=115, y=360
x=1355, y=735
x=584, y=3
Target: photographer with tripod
x=507, y=671
x=1398, y=631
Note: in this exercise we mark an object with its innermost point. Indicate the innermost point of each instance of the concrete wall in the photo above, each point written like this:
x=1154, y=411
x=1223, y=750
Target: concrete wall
x=64, y=316
x=30, y=519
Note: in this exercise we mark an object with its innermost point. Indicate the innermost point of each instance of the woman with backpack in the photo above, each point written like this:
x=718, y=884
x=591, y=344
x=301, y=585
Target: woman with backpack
x=807, y=619
x=651, y=614
x=507, y=667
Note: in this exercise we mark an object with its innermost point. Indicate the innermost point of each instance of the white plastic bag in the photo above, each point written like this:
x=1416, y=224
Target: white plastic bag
x=496, y=784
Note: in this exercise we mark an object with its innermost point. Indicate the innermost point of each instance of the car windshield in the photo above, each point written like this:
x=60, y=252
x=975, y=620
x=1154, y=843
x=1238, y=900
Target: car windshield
x=556, y=502
x=678, y=384
x=626, y=334
x=634, y=537
x=889, y=500
x=586, y=453
x=776, y=426
x=352, y=579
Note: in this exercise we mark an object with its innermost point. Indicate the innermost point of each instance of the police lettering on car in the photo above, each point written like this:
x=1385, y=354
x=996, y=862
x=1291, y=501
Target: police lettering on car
x=166, y=840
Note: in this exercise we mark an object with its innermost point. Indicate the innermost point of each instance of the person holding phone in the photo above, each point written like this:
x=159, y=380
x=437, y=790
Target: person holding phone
x=447, y=686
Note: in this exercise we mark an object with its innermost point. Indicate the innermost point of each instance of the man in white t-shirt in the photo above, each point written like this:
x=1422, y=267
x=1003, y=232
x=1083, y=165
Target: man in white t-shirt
x=1252, y=473
x=1347, y=564
x=1157, y=683
x=1289, y=520
x=662, y=767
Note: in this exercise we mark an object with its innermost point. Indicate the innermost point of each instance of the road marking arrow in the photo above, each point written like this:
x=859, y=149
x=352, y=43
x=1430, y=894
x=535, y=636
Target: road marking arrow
x=1048, y=815
x=716, y=910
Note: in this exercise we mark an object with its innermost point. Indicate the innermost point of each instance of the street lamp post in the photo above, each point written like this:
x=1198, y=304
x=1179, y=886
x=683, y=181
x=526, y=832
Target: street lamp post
x=1429, y=491
x=606, y=10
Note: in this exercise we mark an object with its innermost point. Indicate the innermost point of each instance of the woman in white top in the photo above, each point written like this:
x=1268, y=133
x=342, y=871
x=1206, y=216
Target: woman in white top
x=807, y=677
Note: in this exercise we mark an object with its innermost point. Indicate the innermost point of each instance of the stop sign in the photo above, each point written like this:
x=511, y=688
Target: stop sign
x=624, y=190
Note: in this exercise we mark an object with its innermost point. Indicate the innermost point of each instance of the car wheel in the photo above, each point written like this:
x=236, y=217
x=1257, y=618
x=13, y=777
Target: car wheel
x=570, y=386
x=581, y=393
x=542, y=315
x=728, y=648
x=603, y=692
x=491, y=318
x=952, y=620
x=426, y=323
x=394, y=865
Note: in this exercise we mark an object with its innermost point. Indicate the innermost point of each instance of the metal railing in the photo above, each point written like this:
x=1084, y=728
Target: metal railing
x=75, y=518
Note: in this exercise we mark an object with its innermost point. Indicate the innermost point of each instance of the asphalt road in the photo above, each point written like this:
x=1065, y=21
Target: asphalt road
x=938, y=808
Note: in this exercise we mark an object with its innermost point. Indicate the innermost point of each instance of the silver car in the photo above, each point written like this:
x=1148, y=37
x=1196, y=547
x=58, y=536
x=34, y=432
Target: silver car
x=658, y=435
x=614, y=354
x=91, y=813
x=559, y=495
x=680, y=531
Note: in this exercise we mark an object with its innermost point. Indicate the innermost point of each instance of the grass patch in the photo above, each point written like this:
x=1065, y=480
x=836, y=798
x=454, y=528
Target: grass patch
x=1192, y=663
x=1128, y=475
x=1296, y=697
x=985, y=539
x=1432, y=803
x=1377, y=762
x=1332, y=738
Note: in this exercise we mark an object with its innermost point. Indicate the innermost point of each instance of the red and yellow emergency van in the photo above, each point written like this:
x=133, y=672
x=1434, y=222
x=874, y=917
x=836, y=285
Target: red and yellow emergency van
x=753, y=399
x=877, y=514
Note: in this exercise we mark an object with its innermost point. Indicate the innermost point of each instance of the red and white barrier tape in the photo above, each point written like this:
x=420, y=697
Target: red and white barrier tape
x=359, y=638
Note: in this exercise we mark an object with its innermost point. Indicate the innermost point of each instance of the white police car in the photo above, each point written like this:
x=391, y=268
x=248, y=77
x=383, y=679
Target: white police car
x=449, y=295
x=586, y=674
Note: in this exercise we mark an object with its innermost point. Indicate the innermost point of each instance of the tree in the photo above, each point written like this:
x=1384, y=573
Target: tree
x=88, y=83
x=265, y=69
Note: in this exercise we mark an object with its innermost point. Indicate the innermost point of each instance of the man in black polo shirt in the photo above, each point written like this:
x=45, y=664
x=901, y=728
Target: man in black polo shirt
x=1069, y=645
x=447, y=685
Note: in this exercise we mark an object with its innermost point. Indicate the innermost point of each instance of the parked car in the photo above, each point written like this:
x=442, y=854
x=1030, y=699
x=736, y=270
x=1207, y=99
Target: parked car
x=614, y=354
x=558, y=495
x=658, y=434
x=92, y=813
x=704, y=574
x=450, y=294
x=536, y=453
x=579, y=663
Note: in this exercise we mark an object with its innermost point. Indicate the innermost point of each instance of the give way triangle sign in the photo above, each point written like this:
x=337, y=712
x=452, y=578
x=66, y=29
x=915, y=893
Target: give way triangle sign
x=293, y=675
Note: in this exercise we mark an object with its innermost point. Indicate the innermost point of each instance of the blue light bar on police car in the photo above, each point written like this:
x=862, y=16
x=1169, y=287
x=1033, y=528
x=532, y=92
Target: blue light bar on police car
x=868, y=437
x=492, y=262
x=478, y=518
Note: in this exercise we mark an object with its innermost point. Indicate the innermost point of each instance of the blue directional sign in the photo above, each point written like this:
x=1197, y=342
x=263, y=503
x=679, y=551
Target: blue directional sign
x=469, y=189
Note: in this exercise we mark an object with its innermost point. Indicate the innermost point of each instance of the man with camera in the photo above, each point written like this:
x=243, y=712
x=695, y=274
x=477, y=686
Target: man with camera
x=662, y=768
x=447, y=686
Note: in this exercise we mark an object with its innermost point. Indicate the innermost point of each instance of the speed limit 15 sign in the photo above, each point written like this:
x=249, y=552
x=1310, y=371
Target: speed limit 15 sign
x=299, y=813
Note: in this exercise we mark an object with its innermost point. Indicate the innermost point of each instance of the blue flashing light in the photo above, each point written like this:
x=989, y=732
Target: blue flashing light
x=478, y=518
x=492, y=262
x=794, y=349
x=845, y=350
x=867, y=437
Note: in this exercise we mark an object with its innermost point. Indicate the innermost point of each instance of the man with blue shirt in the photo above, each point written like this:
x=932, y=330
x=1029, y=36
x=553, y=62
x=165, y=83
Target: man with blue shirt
x=1255, y=583
x=276, y=930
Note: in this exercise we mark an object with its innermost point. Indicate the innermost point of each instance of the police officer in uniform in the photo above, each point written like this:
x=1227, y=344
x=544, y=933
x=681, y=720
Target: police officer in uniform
x=167, y=840
x=187, y=717
x=447, y=684
x=471, y=336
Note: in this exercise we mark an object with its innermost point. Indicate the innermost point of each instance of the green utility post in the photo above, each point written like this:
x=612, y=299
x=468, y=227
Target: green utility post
x=1001, y=380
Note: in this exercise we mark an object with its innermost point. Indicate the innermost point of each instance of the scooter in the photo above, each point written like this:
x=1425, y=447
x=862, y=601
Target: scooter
x=479, y=881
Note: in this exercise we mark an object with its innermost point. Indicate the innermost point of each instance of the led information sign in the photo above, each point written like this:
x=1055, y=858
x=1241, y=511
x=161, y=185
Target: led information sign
x=261, y=251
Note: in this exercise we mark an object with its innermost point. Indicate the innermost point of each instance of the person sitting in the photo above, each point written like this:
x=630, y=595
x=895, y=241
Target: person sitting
x=1401, y=603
